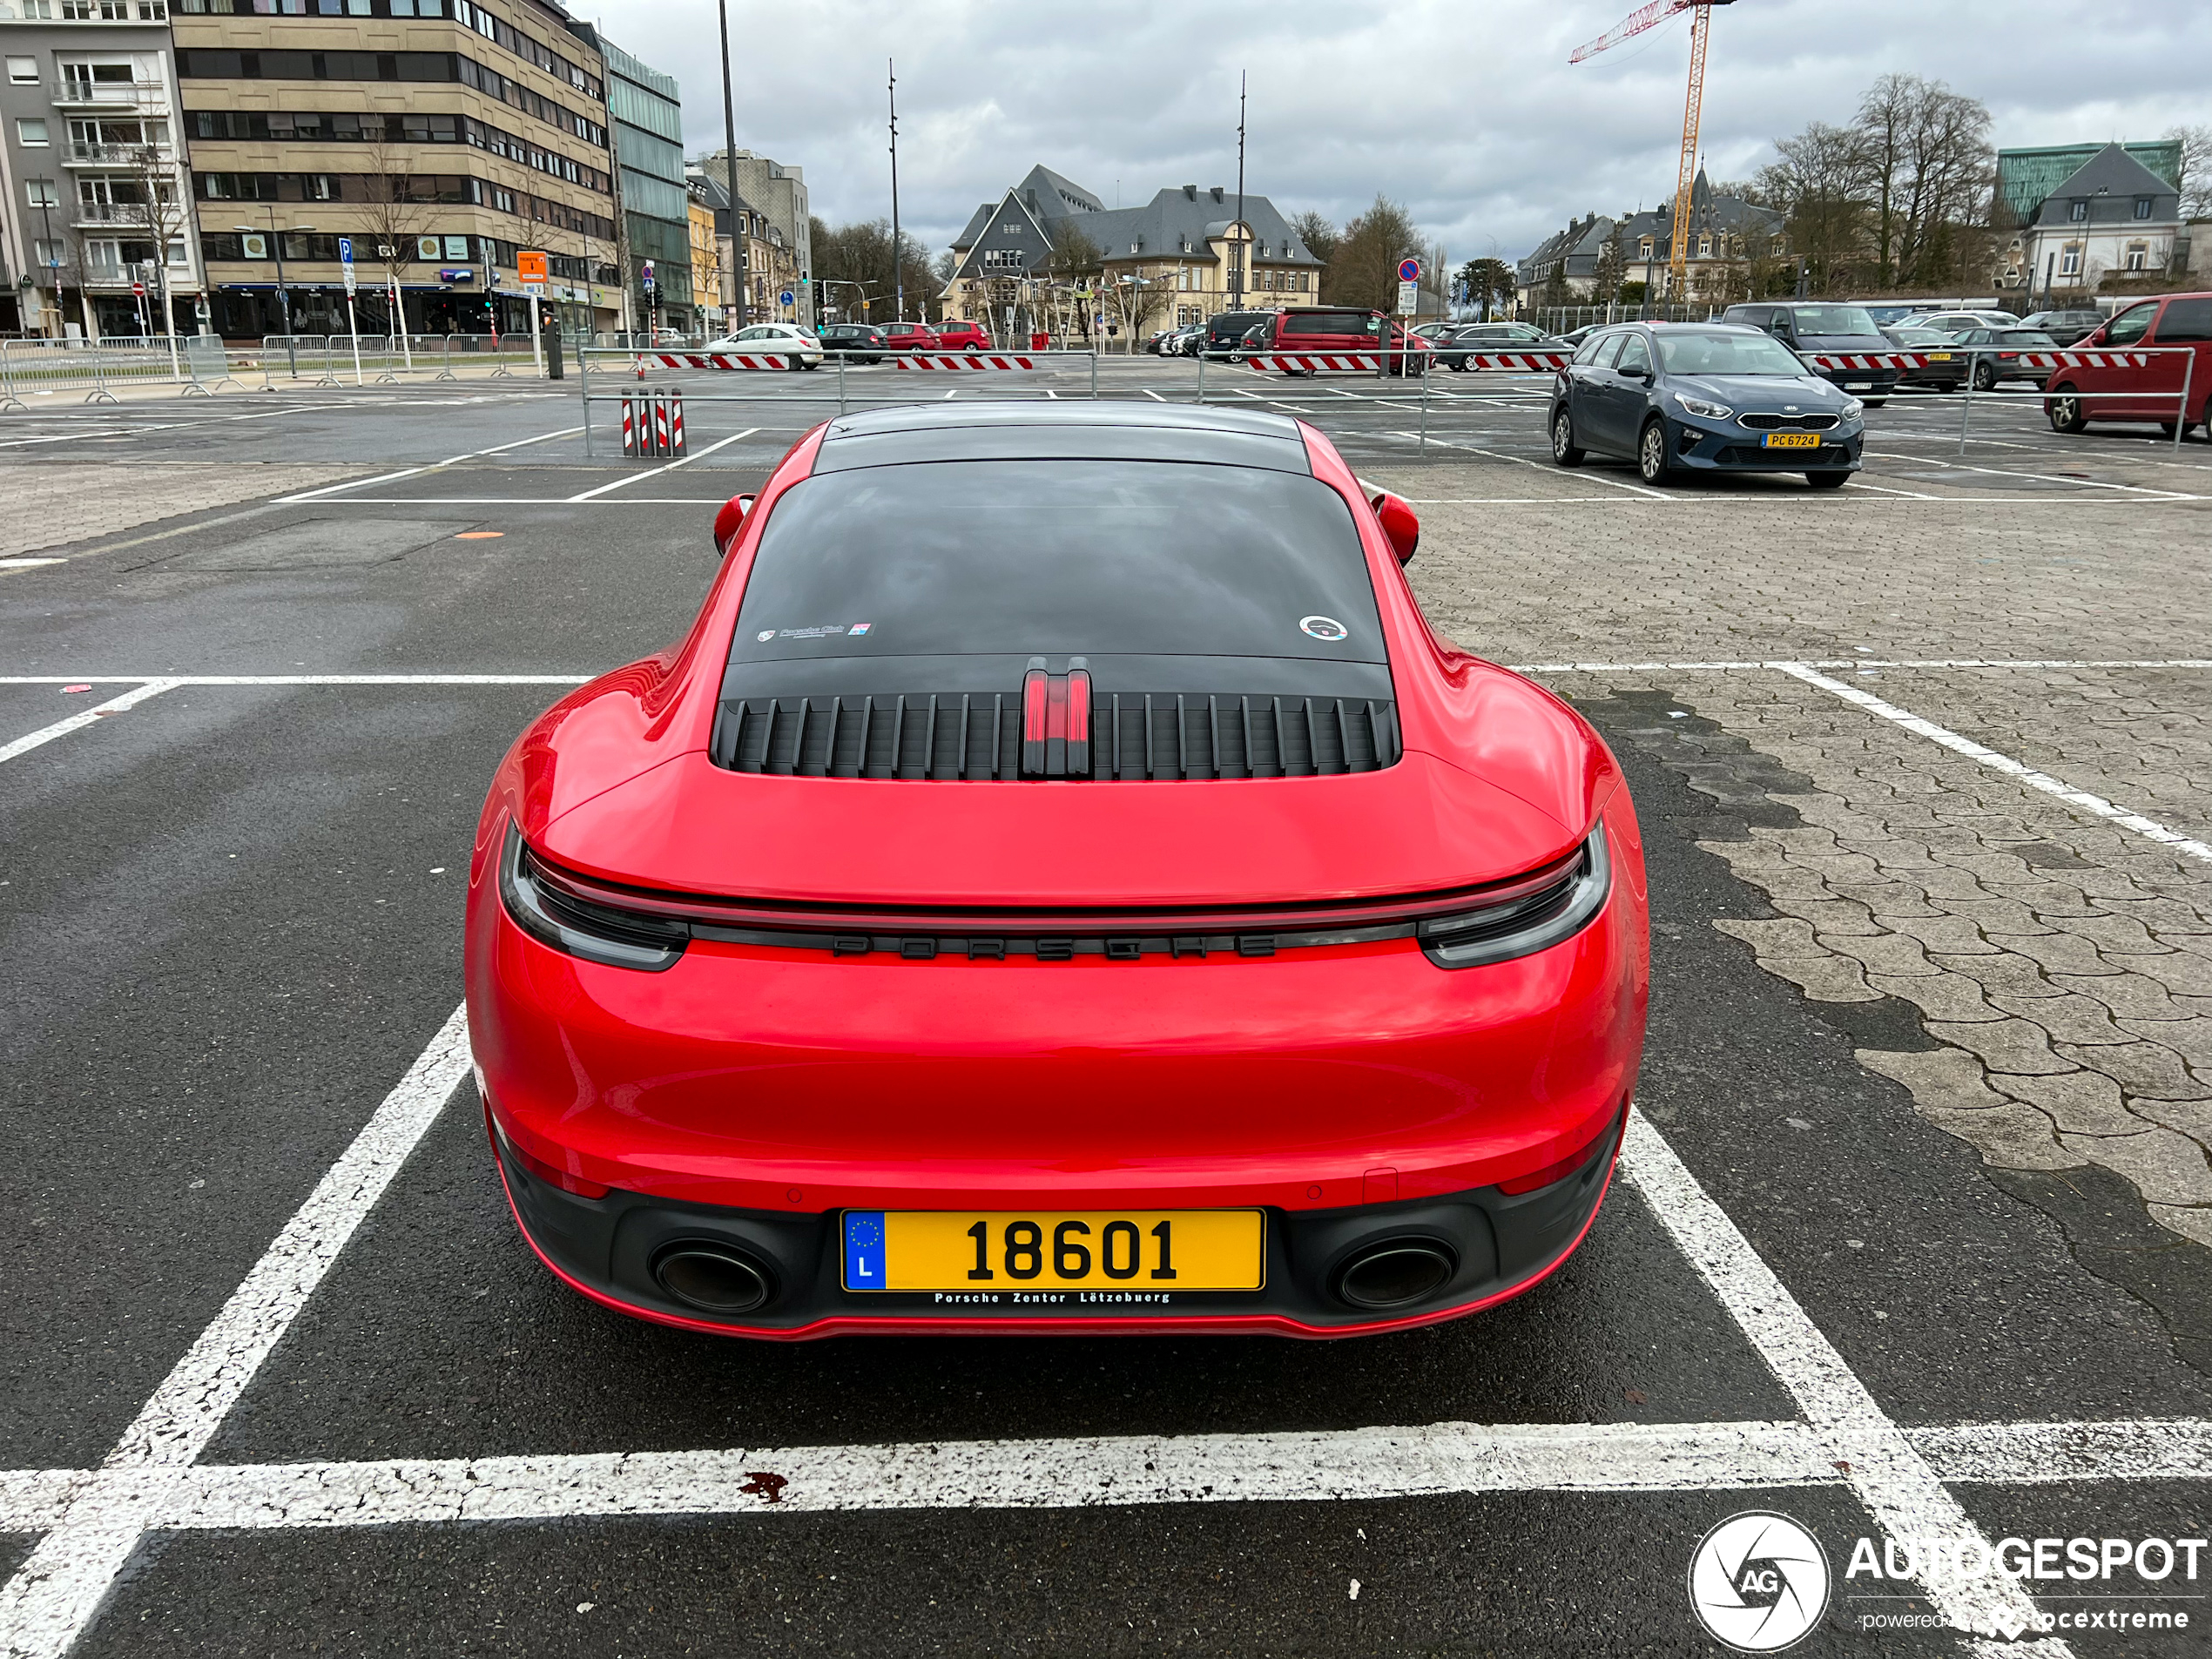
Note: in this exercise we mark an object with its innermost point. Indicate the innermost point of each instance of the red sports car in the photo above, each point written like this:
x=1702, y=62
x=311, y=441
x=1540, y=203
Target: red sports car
x=1059, y=883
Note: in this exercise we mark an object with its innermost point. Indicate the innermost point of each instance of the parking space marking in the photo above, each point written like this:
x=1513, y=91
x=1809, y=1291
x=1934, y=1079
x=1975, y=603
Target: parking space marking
x=63, y=1580
x=411, y=472
x=655, y=472
x=2040, y=478
x=130, y=699
x=1541, y=466
x=1324, y=1465
x=1899, y=1489
x=2150, y=829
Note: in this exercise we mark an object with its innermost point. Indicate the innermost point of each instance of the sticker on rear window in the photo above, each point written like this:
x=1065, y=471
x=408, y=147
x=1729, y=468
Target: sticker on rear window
x=825, y=631
x=1322, y=627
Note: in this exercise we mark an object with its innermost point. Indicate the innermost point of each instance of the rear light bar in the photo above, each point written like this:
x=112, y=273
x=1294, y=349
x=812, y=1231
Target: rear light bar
x=632, y=928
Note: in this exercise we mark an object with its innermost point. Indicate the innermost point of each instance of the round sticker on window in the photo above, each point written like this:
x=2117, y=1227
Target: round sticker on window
x=766, y=635
x=1322, y=627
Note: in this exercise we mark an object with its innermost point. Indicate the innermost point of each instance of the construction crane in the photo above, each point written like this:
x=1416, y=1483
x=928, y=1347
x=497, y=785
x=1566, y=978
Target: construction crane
x=1701, y=21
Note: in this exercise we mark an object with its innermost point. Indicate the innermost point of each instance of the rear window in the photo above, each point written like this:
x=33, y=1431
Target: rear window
x=1057, y=557
x=1329, y=322
x=1832, y=320
x=2024, y=337
x=2185, y=319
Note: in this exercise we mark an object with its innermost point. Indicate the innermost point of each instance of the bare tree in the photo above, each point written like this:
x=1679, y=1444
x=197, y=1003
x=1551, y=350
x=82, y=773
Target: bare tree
x=1364, y=268
x=391, y=216
x=1132, y=300
x=150, y=201
x=1930, y=165
x=2197, y=170
x=1612, y=267
x=1820, y=183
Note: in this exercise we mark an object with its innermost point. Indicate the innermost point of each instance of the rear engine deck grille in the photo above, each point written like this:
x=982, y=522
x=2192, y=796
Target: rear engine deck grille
x=976, y=737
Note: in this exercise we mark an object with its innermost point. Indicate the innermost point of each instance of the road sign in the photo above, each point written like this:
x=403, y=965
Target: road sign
x=345, y=262
x=1409, y=296
x=137, y=287
x=1409, y=270
x=786, y=298
x=531, y=268
x=648, y=274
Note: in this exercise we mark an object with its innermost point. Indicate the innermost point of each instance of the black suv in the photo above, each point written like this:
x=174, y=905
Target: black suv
x=1225, y=332
x=1845, y=334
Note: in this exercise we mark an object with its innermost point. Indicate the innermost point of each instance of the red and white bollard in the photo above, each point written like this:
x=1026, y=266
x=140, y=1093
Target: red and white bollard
x=629, y=427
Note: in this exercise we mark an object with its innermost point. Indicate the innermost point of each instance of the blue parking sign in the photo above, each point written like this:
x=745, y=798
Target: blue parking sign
x=344, y=250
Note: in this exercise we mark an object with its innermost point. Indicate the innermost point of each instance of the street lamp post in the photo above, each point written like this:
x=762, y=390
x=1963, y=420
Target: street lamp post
x=53, y=265
x=284, y=296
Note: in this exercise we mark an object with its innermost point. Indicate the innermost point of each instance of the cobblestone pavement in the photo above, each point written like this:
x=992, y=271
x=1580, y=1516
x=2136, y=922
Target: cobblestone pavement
x=51, y=506
x=2062, y=965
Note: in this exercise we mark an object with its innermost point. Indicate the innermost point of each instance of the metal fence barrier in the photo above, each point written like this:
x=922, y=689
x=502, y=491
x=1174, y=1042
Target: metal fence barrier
x=2069, y=371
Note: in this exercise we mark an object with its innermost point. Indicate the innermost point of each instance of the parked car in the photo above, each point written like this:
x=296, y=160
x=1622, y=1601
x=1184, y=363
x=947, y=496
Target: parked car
x=2097, y=387
x=798, y=348
x=1225, y=332
x=1996, y=354
x=1703, y=397
x=1154, y=341
x=1341, y=330
x=1954, y=322
x=1944, y=368
x=1475, y=337
x=962, y=336
x=1057, y=1001
x=1887, y=317
x=2065, y=326
x=1190, y=339
x=856, y=342
x=1843, y=332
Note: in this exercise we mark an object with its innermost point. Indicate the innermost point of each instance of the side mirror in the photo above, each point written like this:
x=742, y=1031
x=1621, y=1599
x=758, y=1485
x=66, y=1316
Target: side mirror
x=1399, y=524
x=729, y=522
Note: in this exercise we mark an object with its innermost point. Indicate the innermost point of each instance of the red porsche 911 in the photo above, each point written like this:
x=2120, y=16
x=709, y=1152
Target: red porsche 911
x=1060, y=883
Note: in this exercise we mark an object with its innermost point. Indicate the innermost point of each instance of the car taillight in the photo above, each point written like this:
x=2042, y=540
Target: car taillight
x=1530, y=922
x=576, y=927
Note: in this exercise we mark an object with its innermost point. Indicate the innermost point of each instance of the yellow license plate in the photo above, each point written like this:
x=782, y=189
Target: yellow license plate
x=1012, y=1252
x=1792, y=441
x=1939, y=356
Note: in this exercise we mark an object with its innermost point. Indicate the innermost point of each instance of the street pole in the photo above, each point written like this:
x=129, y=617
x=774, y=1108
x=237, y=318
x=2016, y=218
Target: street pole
x=354, y=327
x=53, y=265
x=729, y=153
x=1236, y=249
x=898, y=275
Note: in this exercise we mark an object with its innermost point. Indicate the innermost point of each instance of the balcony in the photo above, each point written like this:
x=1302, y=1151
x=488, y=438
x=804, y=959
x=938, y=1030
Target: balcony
x=69, y=92
x=115, y=155
x=89, y=215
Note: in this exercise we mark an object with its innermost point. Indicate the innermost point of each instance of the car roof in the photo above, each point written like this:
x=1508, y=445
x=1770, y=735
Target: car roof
x=1039, y=430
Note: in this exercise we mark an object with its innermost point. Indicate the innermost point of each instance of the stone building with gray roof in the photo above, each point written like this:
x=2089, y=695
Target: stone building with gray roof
x=1725, y=232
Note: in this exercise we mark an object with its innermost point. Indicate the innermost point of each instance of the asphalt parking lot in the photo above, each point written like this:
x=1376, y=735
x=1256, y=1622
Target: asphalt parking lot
x=1913, y=1234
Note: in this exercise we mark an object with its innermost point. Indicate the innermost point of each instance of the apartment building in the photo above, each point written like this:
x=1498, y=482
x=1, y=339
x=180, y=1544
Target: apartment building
x=754, y=266
x=775, y=197
x=96, y=237
x=441, y=136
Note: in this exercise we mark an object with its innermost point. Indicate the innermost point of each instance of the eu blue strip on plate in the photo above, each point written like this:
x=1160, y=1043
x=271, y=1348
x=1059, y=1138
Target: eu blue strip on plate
x=864, y=1249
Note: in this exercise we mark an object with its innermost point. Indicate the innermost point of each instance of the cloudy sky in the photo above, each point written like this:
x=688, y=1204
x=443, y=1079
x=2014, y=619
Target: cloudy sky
x=1468, y=113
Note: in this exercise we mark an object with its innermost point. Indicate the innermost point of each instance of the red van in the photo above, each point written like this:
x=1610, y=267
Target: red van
x=1329, y=331
x=2176, y=320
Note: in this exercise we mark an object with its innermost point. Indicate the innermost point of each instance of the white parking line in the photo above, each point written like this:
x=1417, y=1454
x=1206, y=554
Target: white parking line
x=1545, y=467
x=1899, y=1489
x=1324, y=1465
x=63, y=1579
x=2150, y=829
x=1948, y=465
x=411, y=472
x=640, y=477
x=77, y=722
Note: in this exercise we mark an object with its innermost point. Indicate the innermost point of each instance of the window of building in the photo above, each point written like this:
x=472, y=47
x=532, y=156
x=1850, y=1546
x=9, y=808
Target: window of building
x=153, y=10
x=1704, y=247
x=2070, y=259
x=2078, y=211
x=76, y=10
x=30, y=132
x=40, y=193
x=2138, y=256
x=45, y=253
x=2142, y=207
x=23, y=70
x=115, y=10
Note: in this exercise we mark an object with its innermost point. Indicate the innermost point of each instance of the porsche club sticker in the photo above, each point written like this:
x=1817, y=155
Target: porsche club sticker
x=1326, y=628
x=825, y=631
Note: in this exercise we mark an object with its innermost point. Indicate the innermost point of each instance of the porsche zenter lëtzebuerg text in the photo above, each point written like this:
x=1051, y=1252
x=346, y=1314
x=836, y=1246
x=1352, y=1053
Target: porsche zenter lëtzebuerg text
x=1060, y=883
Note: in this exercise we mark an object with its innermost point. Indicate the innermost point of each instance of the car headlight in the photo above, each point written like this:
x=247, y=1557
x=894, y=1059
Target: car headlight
x=1853, y=409
x=1699, y=407
x=1529, y=923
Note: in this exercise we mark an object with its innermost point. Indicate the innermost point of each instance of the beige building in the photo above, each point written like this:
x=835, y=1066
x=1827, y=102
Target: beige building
x=754, y=262
x=1181, y=257
x=442, y=137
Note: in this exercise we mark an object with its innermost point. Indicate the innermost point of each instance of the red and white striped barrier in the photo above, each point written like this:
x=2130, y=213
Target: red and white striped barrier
x=717, y=360
x=653, y=423
x=968, y=360
x=1314, y=363
x=1524, y=361
x=1969, y=353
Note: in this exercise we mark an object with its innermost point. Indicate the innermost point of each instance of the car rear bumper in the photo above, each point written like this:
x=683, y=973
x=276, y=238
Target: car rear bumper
x=1500, y=1245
